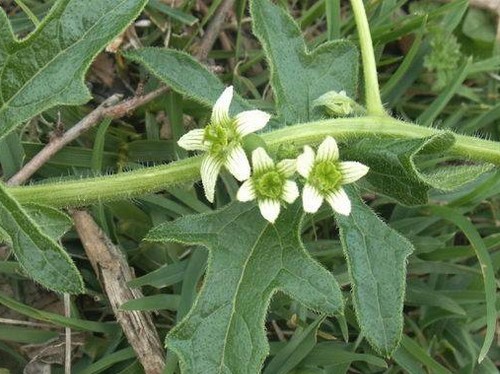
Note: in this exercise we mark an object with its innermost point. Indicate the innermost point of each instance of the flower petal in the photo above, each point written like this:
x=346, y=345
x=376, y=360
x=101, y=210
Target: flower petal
x=237, y=163
x=210, y=168
x=193, y=140
x=328, y=150
x=287, y=167
x=311, y=199
x=251, y=121
x=290, y=191
x=270, y=209
x=305, y=161
x=246, y=191
x=220, y=111
x=352, y=171
x=340, y=202
x=261, y=160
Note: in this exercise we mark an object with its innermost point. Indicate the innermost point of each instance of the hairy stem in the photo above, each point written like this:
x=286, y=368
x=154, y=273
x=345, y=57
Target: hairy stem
x=372, y=91
x=139, y=182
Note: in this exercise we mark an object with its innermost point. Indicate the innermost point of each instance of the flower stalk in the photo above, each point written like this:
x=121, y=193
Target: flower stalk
x=372, y=91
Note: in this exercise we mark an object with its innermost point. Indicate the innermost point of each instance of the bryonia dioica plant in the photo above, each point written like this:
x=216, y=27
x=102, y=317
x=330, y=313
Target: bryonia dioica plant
x=333, y=176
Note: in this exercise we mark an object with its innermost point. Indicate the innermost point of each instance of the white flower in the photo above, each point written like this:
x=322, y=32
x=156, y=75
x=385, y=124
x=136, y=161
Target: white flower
x=269, y=184
x=325, y=175
x=221, y=139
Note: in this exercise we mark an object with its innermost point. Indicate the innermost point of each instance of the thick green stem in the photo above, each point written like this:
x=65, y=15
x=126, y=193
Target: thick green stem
x=139, y=182
x=372, y=92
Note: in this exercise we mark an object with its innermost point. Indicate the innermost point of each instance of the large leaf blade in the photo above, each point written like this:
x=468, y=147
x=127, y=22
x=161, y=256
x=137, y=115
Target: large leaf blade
x=394, y=170
x=252, y=259
x=376, y=256
x=299, y=76
x=47, y=68
x=38, y=254
x=185, y=75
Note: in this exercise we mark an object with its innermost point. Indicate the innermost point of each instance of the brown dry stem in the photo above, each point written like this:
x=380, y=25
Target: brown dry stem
x=110, y=108
x=111, y=266
x=213, y=29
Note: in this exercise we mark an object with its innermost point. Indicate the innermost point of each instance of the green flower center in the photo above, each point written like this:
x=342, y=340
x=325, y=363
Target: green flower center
x=269, y=185
x=221, y=137
x=325, y=176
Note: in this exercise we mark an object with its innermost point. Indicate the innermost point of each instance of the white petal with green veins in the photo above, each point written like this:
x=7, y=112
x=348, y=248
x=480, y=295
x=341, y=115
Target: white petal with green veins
x=261, y=160
x=328, y=149
x=305, y=161
x=220, y=111
x=251, y=121
x=246, y=191
x=311, y=199
x=210, y=168
x=287, y=167
x=339, y=201
x=237, y=163
x=352, y=171
x=290, y=191
x=270, y=209
x=193, y=140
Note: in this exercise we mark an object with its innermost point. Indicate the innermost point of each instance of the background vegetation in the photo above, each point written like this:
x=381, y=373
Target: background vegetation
x=438, y=65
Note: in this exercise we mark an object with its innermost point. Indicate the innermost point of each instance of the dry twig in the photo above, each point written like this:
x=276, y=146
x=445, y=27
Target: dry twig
x=109, y=108
x=213, y=29
x=67, y=335
x=111, y=266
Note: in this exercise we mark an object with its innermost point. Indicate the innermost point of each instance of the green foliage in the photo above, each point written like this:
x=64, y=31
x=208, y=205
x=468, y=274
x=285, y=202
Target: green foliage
x=292, y=354
x=376, y=255
x=444, y=58
x=427, y=195
x=480, y=26
x=185, y=75
x=32, y=234
x=47, y=68
x=174, y=13
x=486, y=269
x=299, y=76
x=394, y=171
x=57, y=319
x=11, y=154
x=252, y=259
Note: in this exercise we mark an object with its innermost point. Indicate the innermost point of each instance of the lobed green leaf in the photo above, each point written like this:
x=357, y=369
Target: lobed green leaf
x=299, y=76
x=185, y=75
x=34, y=244
x=249, y=261
x=394, y=171
x=47, y=68
x=376, y=256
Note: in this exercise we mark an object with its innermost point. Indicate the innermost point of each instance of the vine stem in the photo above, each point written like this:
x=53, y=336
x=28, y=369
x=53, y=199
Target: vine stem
x=142, y=181
x=372, y=92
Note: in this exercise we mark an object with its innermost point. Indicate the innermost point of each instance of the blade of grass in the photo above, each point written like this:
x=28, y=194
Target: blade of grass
x=408, y=61
x=174, y=110
x=153, y=302
x=26, y=335
x=332, y=9
x=484, y=259
x=109, y=360
x=28, y=12
x=433, y=111
x=56, y=319
x=421, y=355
